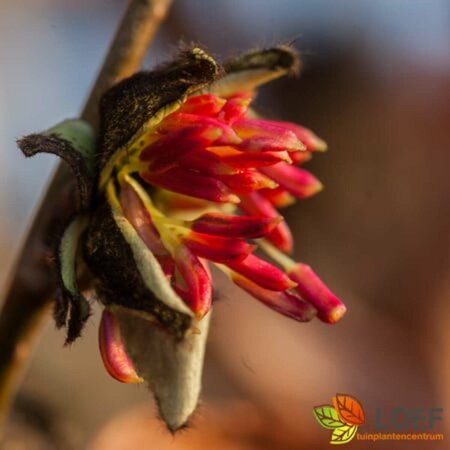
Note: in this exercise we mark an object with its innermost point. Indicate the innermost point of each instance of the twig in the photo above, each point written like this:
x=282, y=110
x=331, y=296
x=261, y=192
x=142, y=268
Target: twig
x=135, y=33
x=31, y=287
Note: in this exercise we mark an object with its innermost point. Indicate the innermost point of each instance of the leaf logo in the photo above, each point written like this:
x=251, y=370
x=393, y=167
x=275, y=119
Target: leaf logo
x=343, y=434
x=328, y=417
x=343, y=418
x=349, y=409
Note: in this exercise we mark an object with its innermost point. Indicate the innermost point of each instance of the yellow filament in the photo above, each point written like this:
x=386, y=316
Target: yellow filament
x=111, y=195
x=281, y=258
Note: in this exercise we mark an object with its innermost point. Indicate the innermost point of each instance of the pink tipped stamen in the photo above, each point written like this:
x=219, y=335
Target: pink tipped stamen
x=262, y=273
x=167, y=265
x=247, y=181
x=243, y=160
x=178, y=120
x=267, y=131
x=306, y=136
x=235, y=226
x=298, y=182
x=165, y=152
x=262, y=144
x=207, y=163
x=278, y=197
x=197, y=279
x=330, y=308
x=286, y=303
x=300, y=157
x=256, y=205
x=235, y=108
x=218, y=249
x=113, y=352
x=193, y=184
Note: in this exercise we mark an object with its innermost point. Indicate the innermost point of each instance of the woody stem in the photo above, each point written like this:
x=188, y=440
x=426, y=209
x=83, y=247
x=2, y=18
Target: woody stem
x=30, y=288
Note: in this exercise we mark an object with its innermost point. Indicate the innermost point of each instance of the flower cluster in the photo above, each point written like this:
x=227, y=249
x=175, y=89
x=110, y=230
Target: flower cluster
x=209, y=160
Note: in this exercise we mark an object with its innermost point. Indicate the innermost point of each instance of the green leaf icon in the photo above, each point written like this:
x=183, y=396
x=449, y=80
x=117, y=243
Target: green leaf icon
x=328, y=417
x=343, y=434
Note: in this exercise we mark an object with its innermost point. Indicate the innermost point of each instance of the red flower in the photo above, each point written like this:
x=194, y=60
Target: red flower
x=185, y=175
x=213, y=151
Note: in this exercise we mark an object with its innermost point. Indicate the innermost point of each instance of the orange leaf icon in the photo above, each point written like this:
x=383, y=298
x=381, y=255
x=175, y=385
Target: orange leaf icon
x=349, y=409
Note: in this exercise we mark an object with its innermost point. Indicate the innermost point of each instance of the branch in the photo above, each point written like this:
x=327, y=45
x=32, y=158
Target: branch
x=134, y=35
x=31, y=287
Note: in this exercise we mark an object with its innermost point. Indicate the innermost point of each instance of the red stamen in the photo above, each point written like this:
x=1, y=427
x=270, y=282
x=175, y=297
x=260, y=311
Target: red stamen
x=206, y=162
x=235, y=226
x=284, y=302
x=192, y=183
x=164, y=153
x=112, y=350
x=197, y=280
x=300, y=157
x=279, y=197
x=247, y=181
x=255, y=205
x=203, y=105
x=313, y=289
x=178, y=120
x=262, y=273
x=306, y=136
x=298, y=182
x=266, y=134
x=242, y=160
x=218, y=249
x=236, y=107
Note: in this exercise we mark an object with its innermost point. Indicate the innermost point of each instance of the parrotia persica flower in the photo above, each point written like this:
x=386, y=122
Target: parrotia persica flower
x=183, y=176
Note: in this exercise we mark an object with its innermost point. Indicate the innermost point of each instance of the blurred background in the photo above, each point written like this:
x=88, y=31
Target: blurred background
x=376, y=87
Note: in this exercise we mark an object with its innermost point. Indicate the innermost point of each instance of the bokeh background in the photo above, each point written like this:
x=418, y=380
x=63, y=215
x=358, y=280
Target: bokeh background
x=376, y=87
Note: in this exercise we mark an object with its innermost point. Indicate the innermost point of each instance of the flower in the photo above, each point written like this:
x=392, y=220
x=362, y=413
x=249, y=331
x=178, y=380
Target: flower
x=211, y=151
x=187, y=176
